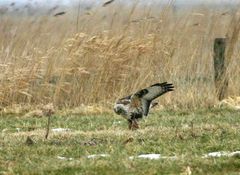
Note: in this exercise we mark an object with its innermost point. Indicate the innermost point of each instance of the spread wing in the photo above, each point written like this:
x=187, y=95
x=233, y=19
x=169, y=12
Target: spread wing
x=145, y=106
x=148, y=94
x=157, y=90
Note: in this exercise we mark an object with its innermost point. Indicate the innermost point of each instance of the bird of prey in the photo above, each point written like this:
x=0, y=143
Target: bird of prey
x=59, y=14
x=107, y=3
x=137, y=105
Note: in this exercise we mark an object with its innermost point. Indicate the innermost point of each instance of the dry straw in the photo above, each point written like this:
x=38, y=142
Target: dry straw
x=116, y=51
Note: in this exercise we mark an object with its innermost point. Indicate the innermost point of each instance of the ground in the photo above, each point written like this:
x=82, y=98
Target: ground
x=185, y=135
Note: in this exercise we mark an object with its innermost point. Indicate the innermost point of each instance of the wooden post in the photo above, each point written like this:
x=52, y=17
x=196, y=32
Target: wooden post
x=220, y=77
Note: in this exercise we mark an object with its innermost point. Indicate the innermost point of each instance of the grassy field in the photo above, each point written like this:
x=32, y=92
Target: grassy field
x=183, y=134
x=91, y=58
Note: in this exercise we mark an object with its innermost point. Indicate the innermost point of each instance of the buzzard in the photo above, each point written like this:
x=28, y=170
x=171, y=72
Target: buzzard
x=137, y=105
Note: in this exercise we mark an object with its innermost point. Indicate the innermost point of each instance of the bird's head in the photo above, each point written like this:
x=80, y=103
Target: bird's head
x=120, y=109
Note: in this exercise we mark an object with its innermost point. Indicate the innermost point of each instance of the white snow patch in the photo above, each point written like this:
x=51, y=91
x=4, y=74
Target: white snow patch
x=61, y=129
x=222, y=154
x=153, y=156
x=64, y=158
x=97, y=155
x=215, y=154
x=150, y=156
x=234, y=154
x=117, y=122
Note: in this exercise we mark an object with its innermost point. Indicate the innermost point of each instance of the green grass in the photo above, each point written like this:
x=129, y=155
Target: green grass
x=187, y=135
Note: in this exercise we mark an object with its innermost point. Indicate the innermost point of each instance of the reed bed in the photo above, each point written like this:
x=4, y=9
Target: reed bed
x=113, y=51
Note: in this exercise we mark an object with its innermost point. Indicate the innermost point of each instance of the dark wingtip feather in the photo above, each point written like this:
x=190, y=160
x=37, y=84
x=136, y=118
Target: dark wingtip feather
x=164, y=85
x=159, y=84
x=169, y=87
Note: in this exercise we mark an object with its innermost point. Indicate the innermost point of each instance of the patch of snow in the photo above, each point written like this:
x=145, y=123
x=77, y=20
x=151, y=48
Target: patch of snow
x=222, y=154
x=61, y=129
x=117, y=122
x=150, y=156
x=97, y=155
x=153, y=156
x=215, y=154
x=185, y=126
x=64, y=158
x=234, y=154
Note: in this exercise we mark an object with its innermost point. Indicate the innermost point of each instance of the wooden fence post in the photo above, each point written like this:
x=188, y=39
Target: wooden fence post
x=220, y=76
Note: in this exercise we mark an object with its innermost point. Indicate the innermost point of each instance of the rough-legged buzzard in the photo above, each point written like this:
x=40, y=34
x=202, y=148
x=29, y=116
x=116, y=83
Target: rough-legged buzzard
x=137, y=105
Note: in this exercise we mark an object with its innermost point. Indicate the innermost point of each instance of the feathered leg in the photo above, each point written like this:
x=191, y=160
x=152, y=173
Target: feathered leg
x=132, y=124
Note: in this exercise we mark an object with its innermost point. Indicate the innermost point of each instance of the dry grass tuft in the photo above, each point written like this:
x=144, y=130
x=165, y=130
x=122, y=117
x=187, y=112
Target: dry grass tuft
x=231, y=102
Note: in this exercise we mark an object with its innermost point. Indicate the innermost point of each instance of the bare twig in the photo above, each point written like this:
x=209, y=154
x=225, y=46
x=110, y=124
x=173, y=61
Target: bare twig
x=48, y=111
x=48, y=127
x=78, y=14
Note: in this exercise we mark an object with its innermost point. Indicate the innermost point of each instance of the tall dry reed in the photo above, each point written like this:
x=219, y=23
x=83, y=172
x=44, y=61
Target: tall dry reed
x=115, y=51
